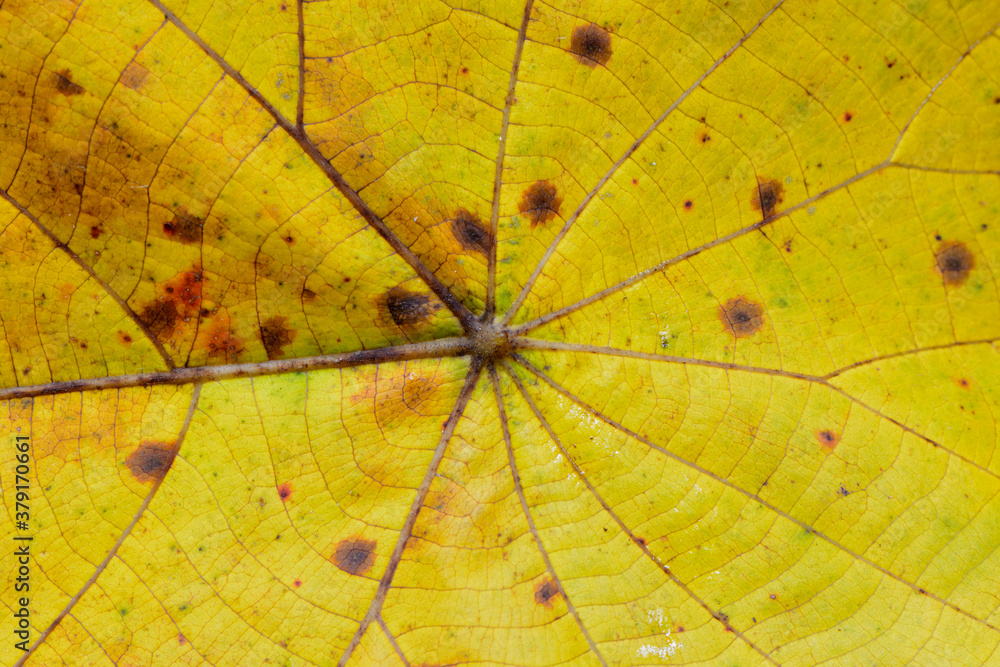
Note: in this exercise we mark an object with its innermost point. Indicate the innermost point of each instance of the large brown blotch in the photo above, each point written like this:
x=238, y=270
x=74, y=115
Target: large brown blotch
x=591, y=45
x=65, y=85
x=540, y=202
x=151, y=461
x=767, y=195
x=275, y=335
x=184, y=227
x=545, y=591
x=179, y=301
x=741, y=317
x=408, y=308
x=355, y=555
x=469, y=232
x=954, y=262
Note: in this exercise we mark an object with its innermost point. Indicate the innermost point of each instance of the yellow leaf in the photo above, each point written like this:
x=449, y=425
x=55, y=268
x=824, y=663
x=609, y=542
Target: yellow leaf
x=545, y=333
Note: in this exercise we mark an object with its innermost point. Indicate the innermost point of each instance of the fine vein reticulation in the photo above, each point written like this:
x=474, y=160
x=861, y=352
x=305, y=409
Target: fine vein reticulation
x=498, y=352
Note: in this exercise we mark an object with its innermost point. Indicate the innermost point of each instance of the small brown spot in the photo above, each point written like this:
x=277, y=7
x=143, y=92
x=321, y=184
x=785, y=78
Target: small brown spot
x=545, y=591
x=65, y=85
x=591, y=45
x=355, y=555
x=704, y=137
x=848, y=116
x=963, y=383
x=284, y=490
x=465, y=70
x=95, y=232
x=124, y=338
x=181, y=639
x=275, y=335
x=308, y=294
x=954, y=262
x=289, y=239
x=741, y=317
x=680, y=628
x=827, y=439
x=540, y=202
x=408, y=308
x=183, y=227
x=688, y=205
x=151, y=461
x=469, y=232
x=298, y=583
x=134, y=75
x=889, y=63
x=788, y=245
x=767, y=195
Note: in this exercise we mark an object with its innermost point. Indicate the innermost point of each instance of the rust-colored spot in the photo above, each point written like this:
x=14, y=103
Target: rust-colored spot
x=184, y=227
x=465, y=70
x=540, y=202
x=308, y=294
x=401, y=395
x=124, y=338
x=179, y=301
x=355, y=555
x=284, y=491
x=275, y=335
x=469, y=232
x=545, y=591
x=688, y=205
x=65, y=85
x=963, y=383
x=767, y=196
x=181, y=639
x=954, y=262
x=827, y=439
x=298, y=582
x=408, y=308
x=591, y=45
x=134, y=75
x=151, y=461
x=220, y=340
x=95, y=232
x=741, y=317
x=848, y=116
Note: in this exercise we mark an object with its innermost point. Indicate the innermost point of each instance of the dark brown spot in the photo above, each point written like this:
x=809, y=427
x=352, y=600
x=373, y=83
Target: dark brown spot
x=95, y=232
x=308, y=294
x=469, y=232
x=889, y=63
x=688, y=205
x=540, y=202
x=465, y=70
x=275, y=335
x=954, y=262
x=635, y=181
x=355, y=555
x=962, y=382
x=827, y=439
x=704, y=137
x=767, y=196
x=65, y=85
x=741, y=317
x=183, y=227
x=545, y=591
x=284, y=490
x=298, y=583
x=848, y=116
x=151, y=461
x=180, y=639
x=408, y=308
x=124, y=338
x=289, y=239
x=591, y=45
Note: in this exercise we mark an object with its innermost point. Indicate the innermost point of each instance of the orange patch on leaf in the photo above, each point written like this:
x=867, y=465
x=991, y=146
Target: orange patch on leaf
x=827, y=439
x=545, y=591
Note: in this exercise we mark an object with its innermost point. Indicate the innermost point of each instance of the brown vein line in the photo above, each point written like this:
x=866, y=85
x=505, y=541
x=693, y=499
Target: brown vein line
x=121, y=540
x=458, y=309
x=536, y=344
x=375, y=609
x=529, y=343
x=300, y=105
x=86, y=267
x=942, y=170
x=443, y=347
x=621, y=524
x=804, y=526
x=947, y=75
x=491, y=256
x=628, y=282
x=908, y=353
x=392, y=640
x=614, y=168
x=495, y=380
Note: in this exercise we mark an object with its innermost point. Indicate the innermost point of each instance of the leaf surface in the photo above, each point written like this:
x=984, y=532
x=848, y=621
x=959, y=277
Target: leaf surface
x=500, y=333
